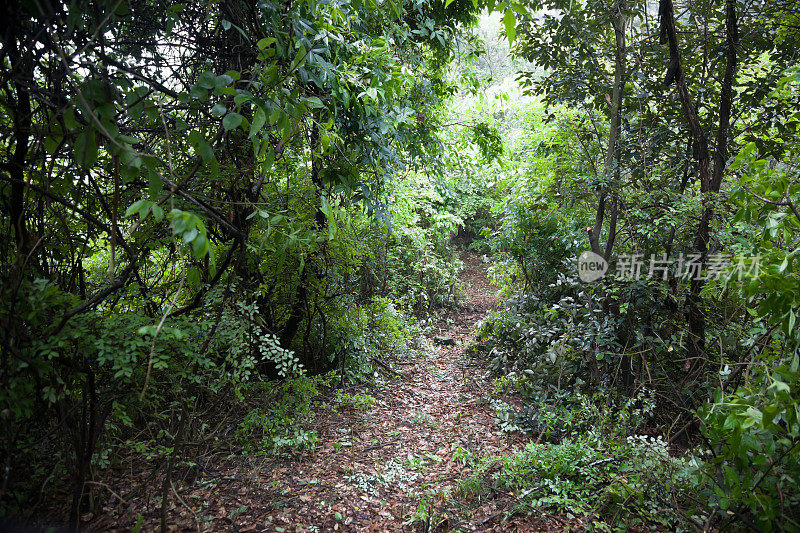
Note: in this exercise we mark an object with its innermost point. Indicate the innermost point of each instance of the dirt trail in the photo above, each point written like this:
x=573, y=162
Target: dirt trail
x=383, y=468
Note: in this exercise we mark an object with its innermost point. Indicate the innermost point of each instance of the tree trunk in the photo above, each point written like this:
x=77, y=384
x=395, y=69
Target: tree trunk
x=709, y=184
x=618, y=22
x=22, y=131
x=299, y=306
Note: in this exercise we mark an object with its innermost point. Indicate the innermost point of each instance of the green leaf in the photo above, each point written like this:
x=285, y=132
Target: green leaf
x=154, y=184
x=265, y=42
x=510, y=22
x=259, y=119
x=223, y=80
x=178, y=221
x=232, y=121
x=731, y=422
x=190, y=235
x=199, y=93
x=218, y=110
x=275, y=116
x=780, y=386
x=158, y=212
x=203, y=149
x=207, y=80
x=300, y=57
x=200, y=246
x=314, y=103
x=193, y=277
x=269, y=158
x=50, y=145
x=144, y=209
x=86, y=149
x=134, y=208
x=147, y=330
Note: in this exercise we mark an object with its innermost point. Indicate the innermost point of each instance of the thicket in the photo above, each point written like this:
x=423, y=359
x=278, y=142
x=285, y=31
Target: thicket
x=669, y=400
x=211, y=214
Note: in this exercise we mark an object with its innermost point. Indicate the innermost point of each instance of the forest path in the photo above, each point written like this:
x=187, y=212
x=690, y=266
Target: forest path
x=386, y=468
x=385, y=460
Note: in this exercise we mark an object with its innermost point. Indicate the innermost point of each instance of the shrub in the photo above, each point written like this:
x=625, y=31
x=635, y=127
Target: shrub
x=609, y=483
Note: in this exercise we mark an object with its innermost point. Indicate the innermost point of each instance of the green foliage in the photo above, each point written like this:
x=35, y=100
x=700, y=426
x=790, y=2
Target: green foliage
x=567, y=415
x=213, y=206
x=488, y=140
x=535, y=242
x=422, y=269
x=358, y=401
x=242, y=337
x=199, y=202
x=279, y=423
x=608, y=484
x=753, y=430
x=767, y=180
x=583, y=355
x=367, y=333
x=755, y=465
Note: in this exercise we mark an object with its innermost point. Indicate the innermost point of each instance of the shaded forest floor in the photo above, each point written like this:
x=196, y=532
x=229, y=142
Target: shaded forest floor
x=389, y=466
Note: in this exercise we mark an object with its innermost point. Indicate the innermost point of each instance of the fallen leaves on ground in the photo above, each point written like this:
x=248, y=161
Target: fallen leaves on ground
x=388, y=468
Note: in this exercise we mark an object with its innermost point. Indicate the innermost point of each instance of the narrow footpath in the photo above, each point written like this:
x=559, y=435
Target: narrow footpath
x=392, y=465
x=390, y=468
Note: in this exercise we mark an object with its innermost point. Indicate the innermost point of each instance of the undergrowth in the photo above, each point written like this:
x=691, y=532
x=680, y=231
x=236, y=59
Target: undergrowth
x=604, y=483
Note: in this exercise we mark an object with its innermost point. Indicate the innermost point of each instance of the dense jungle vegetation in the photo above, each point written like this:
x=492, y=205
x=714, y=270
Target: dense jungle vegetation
x=239, y=237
